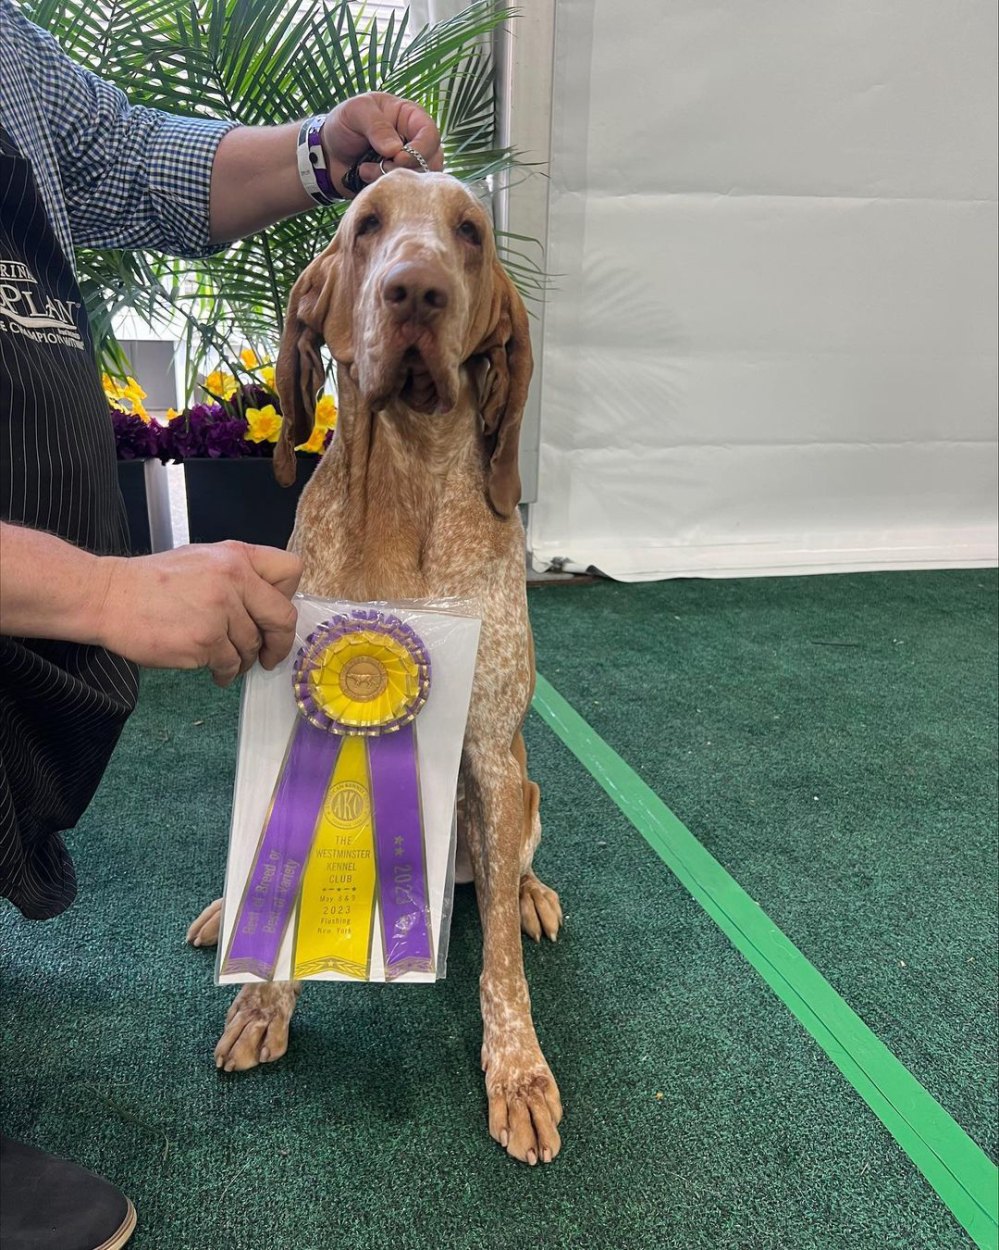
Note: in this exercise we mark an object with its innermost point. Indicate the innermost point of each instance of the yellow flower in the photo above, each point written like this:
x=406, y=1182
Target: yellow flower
x=128, y=397
x=325, y=412
x=220, y=383
x=267, y=377
x=111, y=388
x=171, y=413
x=314, y=442
x=265, y=424
x=249, y=358
x=134, y=392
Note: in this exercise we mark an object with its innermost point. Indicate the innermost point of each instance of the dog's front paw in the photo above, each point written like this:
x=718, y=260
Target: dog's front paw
x=524, y=1105
x=205, y=930
x=256, y=1028
x=540, y=910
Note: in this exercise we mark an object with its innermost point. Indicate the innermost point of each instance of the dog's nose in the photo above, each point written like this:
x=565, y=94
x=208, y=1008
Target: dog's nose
x=415, y=290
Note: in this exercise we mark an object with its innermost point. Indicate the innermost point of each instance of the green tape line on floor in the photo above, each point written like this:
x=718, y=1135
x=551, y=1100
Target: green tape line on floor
x=962, y=1175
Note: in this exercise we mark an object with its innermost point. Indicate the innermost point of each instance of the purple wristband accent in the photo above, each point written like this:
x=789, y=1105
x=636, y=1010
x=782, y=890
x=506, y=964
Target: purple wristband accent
x=317, y=159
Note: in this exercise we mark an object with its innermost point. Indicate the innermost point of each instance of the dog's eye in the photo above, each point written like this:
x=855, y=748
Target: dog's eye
x=369, y=224
x=470, y=231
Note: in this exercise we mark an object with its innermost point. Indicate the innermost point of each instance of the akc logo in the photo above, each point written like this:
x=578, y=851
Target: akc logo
x=347, y=805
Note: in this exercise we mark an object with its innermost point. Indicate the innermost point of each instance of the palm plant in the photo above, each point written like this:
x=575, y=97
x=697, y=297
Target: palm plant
x=261, y=62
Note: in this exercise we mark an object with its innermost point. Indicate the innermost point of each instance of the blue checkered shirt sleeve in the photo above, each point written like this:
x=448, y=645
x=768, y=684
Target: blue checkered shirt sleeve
x=112, y=175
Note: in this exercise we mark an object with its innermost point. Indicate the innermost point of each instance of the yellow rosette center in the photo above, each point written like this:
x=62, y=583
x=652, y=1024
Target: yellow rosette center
x=365, y=679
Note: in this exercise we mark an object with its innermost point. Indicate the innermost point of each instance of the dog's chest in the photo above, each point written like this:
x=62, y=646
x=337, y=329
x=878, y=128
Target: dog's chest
x=420, y=541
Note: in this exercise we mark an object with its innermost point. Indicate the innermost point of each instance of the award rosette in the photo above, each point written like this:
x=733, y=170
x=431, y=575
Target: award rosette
x=340, y=861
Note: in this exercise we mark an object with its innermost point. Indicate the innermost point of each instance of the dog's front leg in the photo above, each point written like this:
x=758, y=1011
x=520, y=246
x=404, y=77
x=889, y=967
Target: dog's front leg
x=524, y=1103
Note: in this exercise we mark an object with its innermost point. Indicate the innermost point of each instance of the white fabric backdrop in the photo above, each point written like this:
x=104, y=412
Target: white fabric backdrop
x=772, y=346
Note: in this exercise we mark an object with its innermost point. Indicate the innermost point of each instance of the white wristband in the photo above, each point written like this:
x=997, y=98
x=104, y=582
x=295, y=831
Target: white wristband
x=312, y=162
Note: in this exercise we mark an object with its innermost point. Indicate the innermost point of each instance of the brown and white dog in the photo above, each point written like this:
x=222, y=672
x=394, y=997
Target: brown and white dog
x=417, y=498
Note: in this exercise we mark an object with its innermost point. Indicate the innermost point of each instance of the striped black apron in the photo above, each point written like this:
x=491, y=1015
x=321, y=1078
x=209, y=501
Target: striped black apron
x=62, y=706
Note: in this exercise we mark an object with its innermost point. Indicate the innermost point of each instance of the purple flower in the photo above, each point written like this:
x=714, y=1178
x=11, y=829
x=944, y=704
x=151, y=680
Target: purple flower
x=216, y=431
x=254, y=397
x=134, y=438
x=203, y=430
x=225, y=439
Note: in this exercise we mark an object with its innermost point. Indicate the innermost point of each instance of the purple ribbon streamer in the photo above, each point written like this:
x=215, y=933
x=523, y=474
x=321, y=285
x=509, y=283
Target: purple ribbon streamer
x=402, y=888
x=272, y=890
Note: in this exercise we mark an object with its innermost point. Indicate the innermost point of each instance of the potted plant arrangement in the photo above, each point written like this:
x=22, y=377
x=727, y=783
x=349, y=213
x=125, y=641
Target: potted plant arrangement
x=225, y=443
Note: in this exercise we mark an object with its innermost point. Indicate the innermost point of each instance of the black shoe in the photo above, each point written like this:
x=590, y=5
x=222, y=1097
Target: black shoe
x=49, y=1204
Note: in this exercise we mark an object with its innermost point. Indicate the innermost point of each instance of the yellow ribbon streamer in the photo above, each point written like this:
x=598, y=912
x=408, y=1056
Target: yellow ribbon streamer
x=336, y=906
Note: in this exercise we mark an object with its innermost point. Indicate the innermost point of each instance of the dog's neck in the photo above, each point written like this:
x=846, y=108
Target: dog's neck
x=401, y=481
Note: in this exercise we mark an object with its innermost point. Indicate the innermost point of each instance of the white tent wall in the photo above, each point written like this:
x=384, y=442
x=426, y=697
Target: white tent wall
x=771, y=346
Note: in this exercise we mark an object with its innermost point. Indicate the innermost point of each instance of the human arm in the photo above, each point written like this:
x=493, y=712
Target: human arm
x=220, y=605
x=135, y=177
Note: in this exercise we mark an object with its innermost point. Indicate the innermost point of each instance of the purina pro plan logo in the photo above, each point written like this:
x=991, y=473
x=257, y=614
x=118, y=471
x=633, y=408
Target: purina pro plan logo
x=26, y=311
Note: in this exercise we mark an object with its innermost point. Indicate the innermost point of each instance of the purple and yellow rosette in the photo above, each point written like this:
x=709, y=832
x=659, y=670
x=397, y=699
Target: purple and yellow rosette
x=343, y=837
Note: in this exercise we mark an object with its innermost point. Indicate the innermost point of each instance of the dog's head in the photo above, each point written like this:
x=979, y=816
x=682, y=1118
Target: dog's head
x=408, y=292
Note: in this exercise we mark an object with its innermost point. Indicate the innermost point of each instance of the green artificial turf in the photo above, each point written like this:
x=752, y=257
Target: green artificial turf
x=833, y=742
x=698, y=1113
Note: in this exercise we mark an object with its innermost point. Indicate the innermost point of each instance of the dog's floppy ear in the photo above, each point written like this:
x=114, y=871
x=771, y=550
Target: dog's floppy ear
x=299, y=373
x=507, y=347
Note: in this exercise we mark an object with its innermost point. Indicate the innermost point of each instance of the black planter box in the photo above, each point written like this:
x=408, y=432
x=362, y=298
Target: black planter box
x=241, y=499
x=132, y=483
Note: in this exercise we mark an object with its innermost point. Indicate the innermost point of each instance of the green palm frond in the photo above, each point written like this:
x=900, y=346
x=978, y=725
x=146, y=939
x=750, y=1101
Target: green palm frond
x=263, y=62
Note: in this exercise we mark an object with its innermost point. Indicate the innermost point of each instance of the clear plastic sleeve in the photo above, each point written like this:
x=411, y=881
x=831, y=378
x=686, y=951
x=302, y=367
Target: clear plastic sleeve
x=341, y=850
